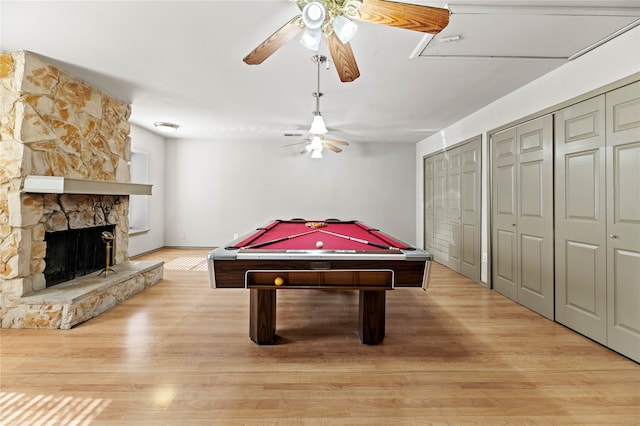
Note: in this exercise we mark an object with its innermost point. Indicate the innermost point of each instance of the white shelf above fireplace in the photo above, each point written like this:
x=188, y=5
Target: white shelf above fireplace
x=63, y=185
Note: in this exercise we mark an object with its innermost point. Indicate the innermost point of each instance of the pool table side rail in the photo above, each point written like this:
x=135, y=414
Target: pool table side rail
x=226, y=271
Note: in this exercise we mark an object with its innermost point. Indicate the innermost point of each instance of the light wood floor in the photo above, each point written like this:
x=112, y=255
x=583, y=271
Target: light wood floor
x=179, y=354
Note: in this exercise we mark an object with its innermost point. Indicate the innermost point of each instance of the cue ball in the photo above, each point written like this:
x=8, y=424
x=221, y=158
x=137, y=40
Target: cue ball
x=319, y=244
x=278, y=281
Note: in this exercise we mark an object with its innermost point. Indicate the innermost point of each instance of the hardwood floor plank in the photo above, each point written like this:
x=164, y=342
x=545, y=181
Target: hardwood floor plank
x=179, y=353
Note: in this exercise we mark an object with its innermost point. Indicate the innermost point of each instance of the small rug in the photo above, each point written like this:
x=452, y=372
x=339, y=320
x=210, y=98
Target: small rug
x=187, y=264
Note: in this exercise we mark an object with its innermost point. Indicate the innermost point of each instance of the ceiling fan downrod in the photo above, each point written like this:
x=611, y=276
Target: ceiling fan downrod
x=318, y=126
x=318, y=59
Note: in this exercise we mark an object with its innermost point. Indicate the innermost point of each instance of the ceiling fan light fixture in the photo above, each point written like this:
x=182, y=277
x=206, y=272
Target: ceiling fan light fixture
x=316, y=153
x=311, y=38
x=317, y=125
x=165, y=127
x=316, y=143
x=344, y=28
x=313, y=15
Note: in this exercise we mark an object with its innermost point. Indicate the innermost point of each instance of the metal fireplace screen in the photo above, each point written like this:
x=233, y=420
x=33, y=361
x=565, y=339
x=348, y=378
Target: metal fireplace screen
x=75, y=252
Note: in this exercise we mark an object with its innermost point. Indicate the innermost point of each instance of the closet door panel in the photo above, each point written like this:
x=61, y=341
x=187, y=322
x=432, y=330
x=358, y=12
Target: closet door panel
x=625, y=316
x=428, y=204
x=531, y=258
x=623, y=220
x=454, y=215
x=580, y=218
x=469, y=252
x=505, y=264
x=505, y=193
x=441, y=229
x=581, y=292
x=470, y=209
x=504, y=252
x=535, y=215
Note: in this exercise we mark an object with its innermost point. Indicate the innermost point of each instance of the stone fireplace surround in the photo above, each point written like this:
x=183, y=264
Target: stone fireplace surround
x=53, y=124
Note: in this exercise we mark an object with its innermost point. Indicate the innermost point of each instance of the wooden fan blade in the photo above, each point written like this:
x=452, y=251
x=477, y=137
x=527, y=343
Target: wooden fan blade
x=414, y=17
x=343, y=59
x=274, y=42
x=338, y=142
x=331, y=147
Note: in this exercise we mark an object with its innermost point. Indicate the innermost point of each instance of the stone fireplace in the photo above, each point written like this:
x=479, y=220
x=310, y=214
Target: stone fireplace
x=64, y=165
x=73, y=253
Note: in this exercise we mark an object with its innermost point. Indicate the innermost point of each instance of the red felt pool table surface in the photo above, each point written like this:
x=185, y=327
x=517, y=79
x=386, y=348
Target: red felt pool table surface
x=303, y=235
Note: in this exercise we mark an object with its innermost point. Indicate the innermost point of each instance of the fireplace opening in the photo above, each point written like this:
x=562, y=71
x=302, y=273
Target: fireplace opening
x=75, y=252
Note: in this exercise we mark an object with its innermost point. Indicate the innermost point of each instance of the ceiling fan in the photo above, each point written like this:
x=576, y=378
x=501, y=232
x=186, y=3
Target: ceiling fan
x=315, y=142
x=333, y=19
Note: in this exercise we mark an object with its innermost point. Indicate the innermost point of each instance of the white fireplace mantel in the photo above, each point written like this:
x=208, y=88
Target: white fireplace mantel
x=63, y=185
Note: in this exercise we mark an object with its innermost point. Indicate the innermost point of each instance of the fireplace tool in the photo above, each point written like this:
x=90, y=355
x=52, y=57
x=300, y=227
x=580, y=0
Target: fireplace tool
x=107, y=237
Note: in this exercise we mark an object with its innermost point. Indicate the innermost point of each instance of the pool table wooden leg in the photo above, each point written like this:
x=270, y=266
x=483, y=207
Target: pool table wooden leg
x=262, y=316
x=371, y=316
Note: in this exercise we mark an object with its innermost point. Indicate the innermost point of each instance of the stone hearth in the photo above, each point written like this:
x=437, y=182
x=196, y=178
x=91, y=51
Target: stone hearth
x=53, y=124
x=72, y=302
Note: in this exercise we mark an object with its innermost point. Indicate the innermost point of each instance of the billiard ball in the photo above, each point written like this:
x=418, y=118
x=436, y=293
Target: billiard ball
x=278, y=281
x=319, y=244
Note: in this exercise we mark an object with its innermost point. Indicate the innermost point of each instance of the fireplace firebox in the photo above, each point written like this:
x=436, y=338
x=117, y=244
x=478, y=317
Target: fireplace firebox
x=75, y=252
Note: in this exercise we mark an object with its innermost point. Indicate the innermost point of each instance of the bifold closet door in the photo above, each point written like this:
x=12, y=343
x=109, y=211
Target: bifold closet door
x=452, y=217
x=623, y=220
x=447, y=175
x=598, y=219
x=522, y=246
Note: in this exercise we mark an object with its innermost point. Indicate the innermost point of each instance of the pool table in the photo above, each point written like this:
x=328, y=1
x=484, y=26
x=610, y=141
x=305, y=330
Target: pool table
x=328, y=255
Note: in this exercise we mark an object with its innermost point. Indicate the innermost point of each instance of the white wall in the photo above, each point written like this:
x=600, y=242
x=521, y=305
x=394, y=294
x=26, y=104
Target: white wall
x=154, y=146
x=217, y=189
x=615, y=60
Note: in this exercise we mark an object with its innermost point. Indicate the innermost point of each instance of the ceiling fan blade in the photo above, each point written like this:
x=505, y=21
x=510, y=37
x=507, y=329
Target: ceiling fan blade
x=338, y=142
x=274, y=42
x=293, y=144
x=414, y=17
x=331, y=147
x=343, y=59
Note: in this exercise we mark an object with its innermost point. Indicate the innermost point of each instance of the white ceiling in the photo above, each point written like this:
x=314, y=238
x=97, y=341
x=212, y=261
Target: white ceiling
x=181, y=62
